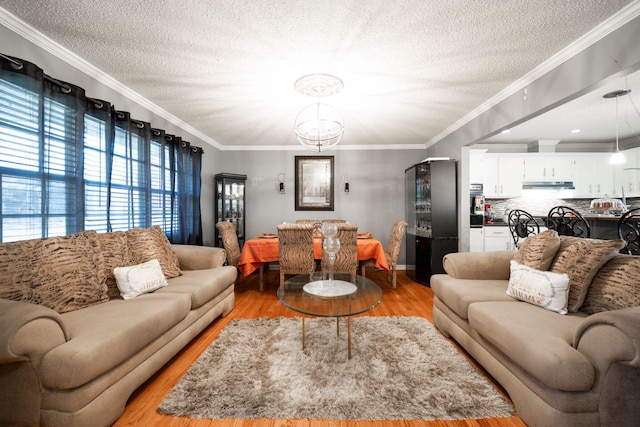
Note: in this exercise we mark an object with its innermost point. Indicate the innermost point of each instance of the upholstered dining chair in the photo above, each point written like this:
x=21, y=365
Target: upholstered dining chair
x=347, y=257
x=393, y=249
x=629, y=231
x=229, y=241
x=522, y=225
x=231, y=245
x=568, y=222
x=295, y=249
x=337, y=221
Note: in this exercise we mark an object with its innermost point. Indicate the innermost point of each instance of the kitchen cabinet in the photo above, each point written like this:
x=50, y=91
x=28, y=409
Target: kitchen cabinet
x=476, y=239
x=593, y=176
x=502, y=177
x=498, y=238
x=627, y=174
x=547, y=168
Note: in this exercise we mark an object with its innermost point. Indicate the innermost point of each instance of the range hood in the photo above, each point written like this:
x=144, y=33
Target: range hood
x=548, y=185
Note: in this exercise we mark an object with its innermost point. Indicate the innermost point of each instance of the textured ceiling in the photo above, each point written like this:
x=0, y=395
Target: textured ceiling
x=411, y=69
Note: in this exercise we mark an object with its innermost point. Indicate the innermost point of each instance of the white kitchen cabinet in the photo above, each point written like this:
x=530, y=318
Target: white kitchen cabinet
x=627, y=174
x=476, y=239
x=498, y=238
x=593, y=176
x=502, y=177
x=547, y=168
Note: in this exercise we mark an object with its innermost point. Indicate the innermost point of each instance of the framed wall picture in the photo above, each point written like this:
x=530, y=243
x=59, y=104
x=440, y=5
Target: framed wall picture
x=314, y=183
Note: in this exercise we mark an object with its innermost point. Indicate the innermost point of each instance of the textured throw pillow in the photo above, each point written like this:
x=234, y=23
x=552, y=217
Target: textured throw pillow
x=615, y=286
x=148, y=243
x=543, y=288
x=63, y=273
x=139, y=279
x=538, y=251
x=581, y=259
x=116, y=254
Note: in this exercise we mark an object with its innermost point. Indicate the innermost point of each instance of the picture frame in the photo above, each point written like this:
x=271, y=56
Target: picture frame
x=314, y=183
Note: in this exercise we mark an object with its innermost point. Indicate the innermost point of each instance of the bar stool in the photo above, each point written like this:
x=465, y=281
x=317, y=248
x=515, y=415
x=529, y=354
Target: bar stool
x=568, y=222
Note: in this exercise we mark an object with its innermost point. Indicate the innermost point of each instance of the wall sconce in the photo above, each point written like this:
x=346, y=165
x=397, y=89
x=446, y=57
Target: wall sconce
x=281, y=177
x=345, y=179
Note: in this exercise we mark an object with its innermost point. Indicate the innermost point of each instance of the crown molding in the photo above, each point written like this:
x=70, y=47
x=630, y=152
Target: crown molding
x=43, y=41
x=615, y=21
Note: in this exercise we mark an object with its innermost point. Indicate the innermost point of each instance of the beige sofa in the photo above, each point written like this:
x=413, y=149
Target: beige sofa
x=69, y=364
x=577, y=369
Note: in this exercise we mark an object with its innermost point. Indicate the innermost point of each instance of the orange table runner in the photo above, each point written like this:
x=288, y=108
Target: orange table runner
x=256, y=252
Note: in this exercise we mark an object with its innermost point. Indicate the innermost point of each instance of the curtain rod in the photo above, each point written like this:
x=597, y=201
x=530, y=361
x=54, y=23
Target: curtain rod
x=15, y=62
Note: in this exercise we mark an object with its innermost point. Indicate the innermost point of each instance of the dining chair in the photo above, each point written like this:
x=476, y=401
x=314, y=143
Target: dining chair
x=568, y=222
x=393, y=249
x=337, y=221
x=295, y=250
x=629, y=231
x=231, y=246
x=347, y=257
x=229, y=241
x=522, y=225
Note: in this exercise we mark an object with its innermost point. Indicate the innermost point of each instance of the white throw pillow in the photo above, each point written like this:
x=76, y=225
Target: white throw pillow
x=139, y=279
x=544, y=288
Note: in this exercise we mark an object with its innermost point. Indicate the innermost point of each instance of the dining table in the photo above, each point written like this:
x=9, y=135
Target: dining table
x=264, y=249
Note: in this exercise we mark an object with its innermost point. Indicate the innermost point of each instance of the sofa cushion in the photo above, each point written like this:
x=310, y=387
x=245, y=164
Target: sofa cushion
x=115, y=253
x=63, y=273
x=201, y=285
x=615, y=286
x=105, y=335
x=581, y=259
x=139, y=279
x=542, y=288
x=537, y=251
x=458, y=294
x=149, y=243
x=538, y=341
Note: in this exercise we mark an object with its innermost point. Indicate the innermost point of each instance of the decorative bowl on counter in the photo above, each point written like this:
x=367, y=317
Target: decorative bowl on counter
x=607, y=206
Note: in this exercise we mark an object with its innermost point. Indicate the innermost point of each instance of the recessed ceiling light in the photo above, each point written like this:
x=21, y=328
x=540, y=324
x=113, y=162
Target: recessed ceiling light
x=506, y=131
x=575, y=131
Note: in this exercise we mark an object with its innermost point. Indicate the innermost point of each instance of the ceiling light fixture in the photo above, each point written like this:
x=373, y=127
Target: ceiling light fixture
x=319, y=127
x=617, y=158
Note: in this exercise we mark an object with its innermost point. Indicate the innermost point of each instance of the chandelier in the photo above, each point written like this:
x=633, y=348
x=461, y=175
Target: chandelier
x=319, y=127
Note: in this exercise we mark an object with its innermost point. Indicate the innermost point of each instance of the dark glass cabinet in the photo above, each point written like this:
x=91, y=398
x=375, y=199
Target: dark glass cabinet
x=432, y=214
x=230, y=203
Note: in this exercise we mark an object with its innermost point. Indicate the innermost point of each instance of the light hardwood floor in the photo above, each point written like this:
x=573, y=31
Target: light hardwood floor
x=409, y=299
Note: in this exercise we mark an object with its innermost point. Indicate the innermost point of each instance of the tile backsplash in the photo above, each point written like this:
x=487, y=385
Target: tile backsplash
x=541, y=207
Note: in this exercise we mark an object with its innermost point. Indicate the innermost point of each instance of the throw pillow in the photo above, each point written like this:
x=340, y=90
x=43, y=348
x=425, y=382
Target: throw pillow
x=615, y=286
x=116, y=254
x=139, y=279
x=543, y=288
x=538, y=251
x=148, y=243
x=63, y=273
x=581, y=259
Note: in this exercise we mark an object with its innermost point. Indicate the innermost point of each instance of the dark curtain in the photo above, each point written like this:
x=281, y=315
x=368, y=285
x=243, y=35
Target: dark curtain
x=70, y=163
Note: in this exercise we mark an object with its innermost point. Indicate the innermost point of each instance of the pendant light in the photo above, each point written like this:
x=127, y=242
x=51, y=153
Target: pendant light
x=319, y=126
x=617, y=158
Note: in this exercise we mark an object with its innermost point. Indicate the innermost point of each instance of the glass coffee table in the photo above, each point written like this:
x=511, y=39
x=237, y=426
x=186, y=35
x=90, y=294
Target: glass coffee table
x=345, y=296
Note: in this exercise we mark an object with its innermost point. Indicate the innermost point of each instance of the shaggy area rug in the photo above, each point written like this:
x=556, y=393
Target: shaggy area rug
x=401, y=368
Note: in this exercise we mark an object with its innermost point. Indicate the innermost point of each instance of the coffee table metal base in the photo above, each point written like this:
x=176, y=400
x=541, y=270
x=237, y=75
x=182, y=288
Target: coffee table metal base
x=338, y=333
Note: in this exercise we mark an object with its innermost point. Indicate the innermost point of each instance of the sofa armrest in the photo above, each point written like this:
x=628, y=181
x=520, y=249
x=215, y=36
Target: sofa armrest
x=27, y=331
x=611, y=336
x=611, y=341
x=193, y=257
x=478, y=265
